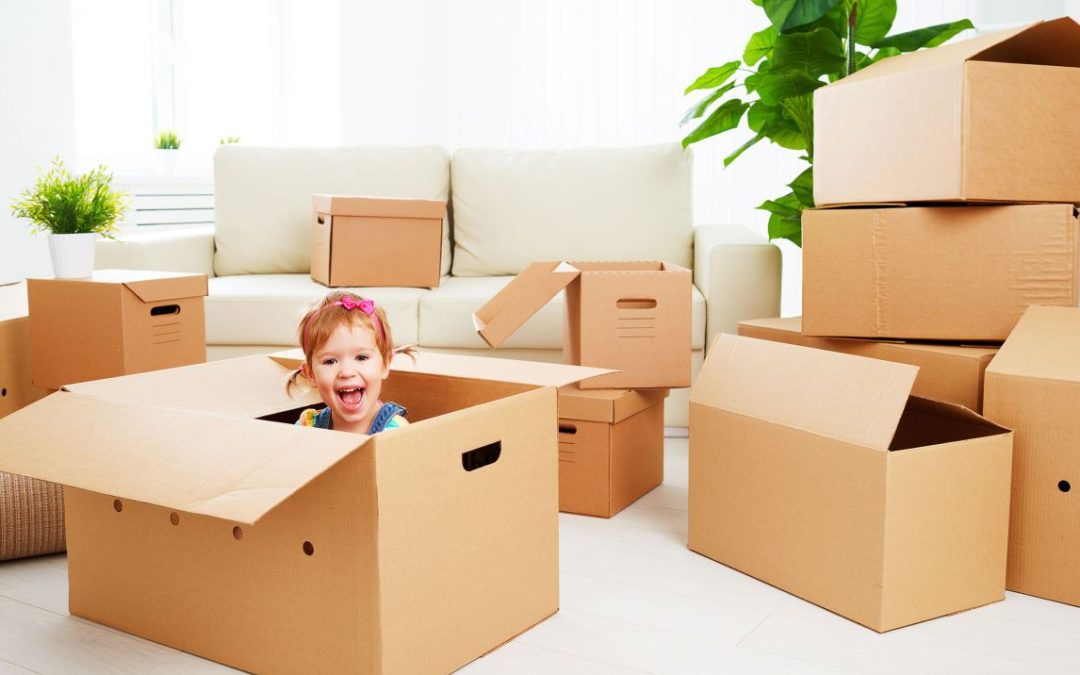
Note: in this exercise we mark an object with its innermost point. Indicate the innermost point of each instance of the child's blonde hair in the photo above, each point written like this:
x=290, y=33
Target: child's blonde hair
x=340, y=308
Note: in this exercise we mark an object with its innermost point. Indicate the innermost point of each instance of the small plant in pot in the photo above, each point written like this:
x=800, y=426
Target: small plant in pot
x=166, y=147
x=74, y=211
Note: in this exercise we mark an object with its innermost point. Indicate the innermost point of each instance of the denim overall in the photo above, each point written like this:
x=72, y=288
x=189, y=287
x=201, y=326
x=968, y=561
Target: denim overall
x=382, y=418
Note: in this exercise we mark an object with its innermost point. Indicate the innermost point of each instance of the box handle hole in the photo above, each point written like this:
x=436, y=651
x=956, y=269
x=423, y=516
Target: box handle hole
x=482, y=456
x=567, y=428
x=1064, y=486
x=164, y=309
x=635, y=303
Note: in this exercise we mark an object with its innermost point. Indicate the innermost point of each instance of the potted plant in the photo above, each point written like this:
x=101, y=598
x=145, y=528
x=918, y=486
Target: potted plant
x=808, y=44
x=166, y=143
x=74, y=210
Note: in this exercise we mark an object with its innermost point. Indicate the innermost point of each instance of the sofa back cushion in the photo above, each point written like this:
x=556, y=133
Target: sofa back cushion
x=262, y=197
x=514, y=207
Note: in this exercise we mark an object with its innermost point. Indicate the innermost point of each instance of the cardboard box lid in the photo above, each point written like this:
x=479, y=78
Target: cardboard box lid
x=521, y=298
x=1044, y=344
x=605, y=405
x=849, y=398
x=379, y=207
x=150, y=286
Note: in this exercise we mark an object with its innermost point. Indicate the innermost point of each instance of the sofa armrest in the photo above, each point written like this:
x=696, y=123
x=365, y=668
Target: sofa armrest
x=178, y=250
x=738, y=272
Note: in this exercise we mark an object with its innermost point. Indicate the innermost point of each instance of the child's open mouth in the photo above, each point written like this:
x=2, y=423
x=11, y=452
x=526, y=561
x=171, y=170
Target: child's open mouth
x=351, y=398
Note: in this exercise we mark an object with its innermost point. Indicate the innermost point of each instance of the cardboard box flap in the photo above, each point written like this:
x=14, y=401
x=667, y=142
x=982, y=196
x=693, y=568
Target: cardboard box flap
x=1047, y=43
x=605, y=405
x=173, y=288
x=486, y=368
x=849, y=398
x=1044, y=344
x=521, y=298
x=379, y=207
x=224, y=467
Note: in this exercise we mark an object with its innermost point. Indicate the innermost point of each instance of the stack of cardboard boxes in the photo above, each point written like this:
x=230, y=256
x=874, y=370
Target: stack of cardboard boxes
x=946, y=185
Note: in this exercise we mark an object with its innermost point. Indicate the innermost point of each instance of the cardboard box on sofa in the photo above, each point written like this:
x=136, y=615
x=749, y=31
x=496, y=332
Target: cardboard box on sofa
x=1033, y=387
x=964, y=273
x=950, y=373
x=633, y=317
x=611, y=448
x=118, y=322
x=374, y=241
x=986, y=119
x=816, y=472
x=196, y=521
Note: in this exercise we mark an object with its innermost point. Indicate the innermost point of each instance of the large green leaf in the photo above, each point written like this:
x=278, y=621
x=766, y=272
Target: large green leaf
x=775, y=124
x=873, y=20
x=775, y=87
x=760, y=45
x=724, y=118
x=742, y=148
x=803, y=187
x=752, y=81
x=698, y=109
x=786, y=205
x=931, y=36
x=786, y=15
x=714, y=77
x=786, y=227
x=812, y=54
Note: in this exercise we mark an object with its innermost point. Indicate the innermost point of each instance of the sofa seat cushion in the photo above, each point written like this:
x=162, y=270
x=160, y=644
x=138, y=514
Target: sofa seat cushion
x=265, y=309
x=446, y=317
x=512, y=207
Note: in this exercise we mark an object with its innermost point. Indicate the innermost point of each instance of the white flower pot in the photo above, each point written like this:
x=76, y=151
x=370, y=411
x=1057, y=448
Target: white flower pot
x=165, y=162
x=72, y=255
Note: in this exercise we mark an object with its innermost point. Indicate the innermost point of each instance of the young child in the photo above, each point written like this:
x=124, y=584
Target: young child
x=347, y=350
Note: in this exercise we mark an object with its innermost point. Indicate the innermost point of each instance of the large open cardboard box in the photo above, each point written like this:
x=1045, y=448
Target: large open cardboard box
x=962, y=273
x=818, y=473
x=633, y=317
x=116, y=323
x=992, y=118
x=200, y=517
x=375, y=241
x=950, y=373
x=1033, y=387
x=611, y=448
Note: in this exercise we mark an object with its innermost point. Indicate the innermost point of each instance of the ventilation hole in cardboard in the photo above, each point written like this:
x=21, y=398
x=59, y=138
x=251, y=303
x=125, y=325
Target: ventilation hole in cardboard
x=322, y=221
x=308, y=548
x=635, y=303
x=174, y=518
x=1064, y=486
x=3, y=392
x=164, y=309
x=482, y=456
x=238, y=533
x=567, y=429
x=117, y=505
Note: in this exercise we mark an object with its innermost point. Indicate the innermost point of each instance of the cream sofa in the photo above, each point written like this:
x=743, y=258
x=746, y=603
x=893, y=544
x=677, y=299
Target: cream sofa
x=508, y=208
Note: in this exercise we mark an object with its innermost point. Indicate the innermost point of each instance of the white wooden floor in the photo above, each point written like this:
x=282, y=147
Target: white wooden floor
x=634, y=600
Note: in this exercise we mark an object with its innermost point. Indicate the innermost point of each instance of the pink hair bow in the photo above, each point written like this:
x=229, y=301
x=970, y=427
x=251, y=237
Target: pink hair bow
x=365, y=306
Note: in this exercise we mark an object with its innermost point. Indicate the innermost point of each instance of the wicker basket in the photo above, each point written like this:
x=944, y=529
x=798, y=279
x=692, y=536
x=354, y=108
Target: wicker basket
x=31, y=517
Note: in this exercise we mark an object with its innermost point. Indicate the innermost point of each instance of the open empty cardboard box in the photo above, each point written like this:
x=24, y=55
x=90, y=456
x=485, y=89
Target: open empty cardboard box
x=611, y=448
x=116, y=323
x=377, y=241
x=818, y=473
x=962, y=273
x=633, y=317
x=992, y=118
x=1033, y=387
x=200, y=517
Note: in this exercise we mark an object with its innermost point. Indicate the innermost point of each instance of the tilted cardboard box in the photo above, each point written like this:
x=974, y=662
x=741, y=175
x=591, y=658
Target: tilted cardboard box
x=375, y=241
x=611, y=448
x=275, y=548
x=992, y=118
x=116, y=323
x=950, y=373
x=633, y=317
x=816, y=472
x=962, y=273
x=1033, y=387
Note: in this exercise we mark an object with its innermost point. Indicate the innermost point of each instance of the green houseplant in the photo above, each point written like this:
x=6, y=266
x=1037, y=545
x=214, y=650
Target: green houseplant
x=807, y=44
x=167, y=139
x=73, y=210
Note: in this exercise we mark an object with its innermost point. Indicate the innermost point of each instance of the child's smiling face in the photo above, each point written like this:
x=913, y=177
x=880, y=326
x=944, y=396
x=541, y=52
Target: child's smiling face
x=348, y=371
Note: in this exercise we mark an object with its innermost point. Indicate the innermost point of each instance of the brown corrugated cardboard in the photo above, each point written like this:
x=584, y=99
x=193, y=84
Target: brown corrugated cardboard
x=1033, y=387
x=272, y=547
x=633, y=317
x=950, y=373
x=986, y=119
x=375, y=241
x=611, y=448
x=16, y=388
x=816, y=472
x=115, y=323
x=938, y=273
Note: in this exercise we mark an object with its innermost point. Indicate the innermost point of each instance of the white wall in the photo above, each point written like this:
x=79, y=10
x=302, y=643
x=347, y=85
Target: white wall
x=36, y=118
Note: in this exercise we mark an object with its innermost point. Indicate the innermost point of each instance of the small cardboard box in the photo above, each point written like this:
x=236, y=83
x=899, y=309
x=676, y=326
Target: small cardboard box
x=961, y=273
x=987, y=119
x=950, y=373
x=368, y=241
x=1033, y=387
x=200, y=517
x=818, y=473
x=16, y=387
x=116, y=323
x=633, y=317
x=611, y=448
